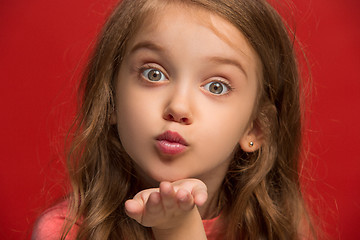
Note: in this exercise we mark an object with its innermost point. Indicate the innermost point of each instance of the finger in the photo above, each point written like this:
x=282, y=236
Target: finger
x=153, y=205
x=167, y=195
x=200, y=194
x=185, y=199
x=153, y=209
x=134, y=209
x=144, y=195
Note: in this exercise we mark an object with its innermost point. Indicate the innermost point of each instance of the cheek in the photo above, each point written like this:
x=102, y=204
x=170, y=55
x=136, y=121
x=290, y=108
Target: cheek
x=137, y=115
x=130, y=114
x=223, y=131
x=230, y=121
x=221, y=138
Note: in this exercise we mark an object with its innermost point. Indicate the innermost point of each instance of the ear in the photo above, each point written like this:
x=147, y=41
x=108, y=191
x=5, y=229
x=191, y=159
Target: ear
x=252, y=139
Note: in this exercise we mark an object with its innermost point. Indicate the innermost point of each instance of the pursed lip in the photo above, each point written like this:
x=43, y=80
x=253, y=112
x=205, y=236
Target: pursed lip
x=172, y=137
x=171, y=143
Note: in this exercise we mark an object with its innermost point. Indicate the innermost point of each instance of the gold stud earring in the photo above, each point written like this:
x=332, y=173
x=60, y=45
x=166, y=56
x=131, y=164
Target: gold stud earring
x=251, y=144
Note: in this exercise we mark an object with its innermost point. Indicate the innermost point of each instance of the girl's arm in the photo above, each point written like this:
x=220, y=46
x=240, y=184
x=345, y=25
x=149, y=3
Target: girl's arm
x=171, y=210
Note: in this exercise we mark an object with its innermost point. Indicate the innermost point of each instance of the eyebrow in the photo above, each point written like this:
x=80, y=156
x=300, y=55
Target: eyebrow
x=146, y=45
x=216, y=59
x=228, y=61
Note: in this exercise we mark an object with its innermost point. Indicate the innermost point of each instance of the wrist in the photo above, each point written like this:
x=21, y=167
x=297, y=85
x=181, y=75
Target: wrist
x=189, y=226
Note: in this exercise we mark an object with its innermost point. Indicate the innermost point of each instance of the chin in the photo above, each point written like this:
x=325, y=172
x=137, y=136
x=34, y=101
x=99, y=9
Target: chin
x=168, y=176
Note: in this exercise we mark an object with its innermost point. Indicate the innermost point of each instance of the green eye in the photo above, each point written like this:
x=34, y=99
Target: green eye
x=217, y=88
x=153, y=75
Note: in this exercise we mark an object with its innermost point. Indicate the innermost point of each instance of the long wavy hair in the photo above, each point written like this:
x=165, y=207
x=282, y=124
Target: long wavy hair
x=261, y=195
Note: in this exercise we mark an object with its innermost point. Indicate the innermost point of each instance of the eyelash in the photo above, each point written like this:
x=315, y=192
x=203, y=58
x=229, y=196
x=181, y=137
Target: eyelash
x=142, y=69
x=223, y=83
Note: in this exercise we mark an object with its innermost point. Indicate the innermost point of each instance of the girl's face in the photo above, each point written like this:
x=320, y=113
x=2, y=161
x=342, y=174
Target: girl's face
x=185, y=95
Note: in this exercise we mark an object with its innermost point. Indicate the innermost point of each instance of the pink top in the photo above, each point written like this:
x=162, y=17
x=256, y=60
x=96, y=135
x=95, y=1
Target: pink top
x=50, y=225
x=51, y=222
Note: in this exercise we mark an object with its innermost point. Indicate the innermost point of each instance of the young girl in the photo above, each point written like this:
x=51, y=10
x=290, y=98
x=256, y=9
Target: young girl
x=190, y=128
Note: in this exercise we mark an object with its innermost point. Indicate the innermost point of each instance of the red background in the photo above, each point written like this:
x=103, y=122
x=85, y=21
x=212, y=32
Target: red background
x=43, y=46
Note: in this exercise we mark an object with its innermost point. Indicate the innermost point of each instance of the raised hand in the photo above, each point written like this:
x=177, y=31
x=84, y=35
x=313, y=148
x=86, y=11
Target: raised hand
x=170, y=206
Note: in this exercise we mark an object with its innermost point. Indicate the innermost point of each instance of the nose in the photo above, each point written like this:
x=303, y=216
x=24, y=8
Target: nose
x=178, y=109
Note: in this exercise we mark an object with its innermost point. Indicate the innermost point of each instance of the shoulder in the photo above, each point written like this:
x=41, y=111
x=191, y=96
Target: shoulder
x=50, y=224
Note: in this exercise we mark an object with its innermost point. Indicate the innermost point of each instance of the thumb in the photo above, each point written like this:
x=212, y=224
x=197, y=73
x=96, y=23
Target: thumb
x=134, y=208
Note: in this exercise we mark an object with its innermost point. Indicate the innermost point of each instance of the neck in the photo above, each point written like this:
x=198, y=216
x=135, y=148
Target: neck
x=212, y=208
x=214, y=181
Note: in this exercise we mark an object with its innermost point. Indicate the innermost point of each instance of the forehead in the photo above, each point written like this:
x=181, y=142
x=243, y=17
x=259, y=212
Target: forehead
x=202, y=31
x=163, y=15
